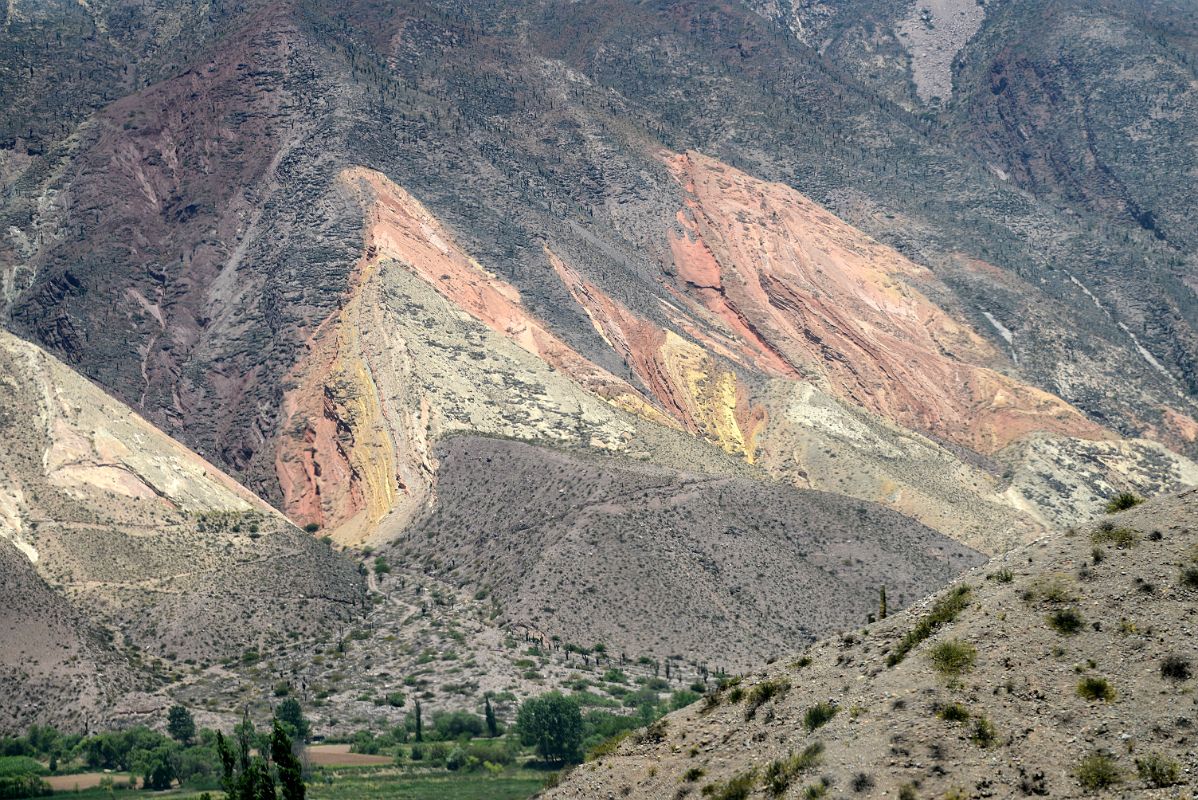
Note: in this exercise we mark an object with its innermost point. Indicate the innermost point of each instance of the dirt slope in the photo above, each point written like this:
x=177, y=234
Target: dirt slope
x=1076, y=645
x=598, y=548
x=143, y=535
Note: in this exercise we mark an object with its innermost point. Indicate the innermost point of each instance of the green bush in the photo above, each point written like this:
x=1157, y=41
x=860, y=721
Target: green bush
x=1066, y=621
x=1123, y=538
x=953, y=712
x=1175, y=667
x=738, y=787
x=1189, y=577
x=1093, y=688
x=945, y=610
x=1098, y=771
x=780, y=773
x=953, y=657
x=983, y=733
x=1122, y=502
x=1158, y=771
x=818, y=715
x=762, y=693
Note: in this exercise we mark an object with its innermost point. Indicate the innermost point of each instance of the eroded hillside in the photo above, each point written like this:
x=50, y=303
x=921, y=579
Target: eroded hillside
x=145, y=537
x=1061, y=668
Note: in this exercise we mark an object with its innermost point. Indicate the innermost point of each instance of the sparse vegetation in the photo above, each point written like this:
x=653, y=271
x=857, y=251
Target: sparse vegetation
x=1122, y=502
x=1098, y=771
x=953, y=712
x=1094, y=688
x=942, y=613
x=1066, y=621
x=818, y=715
x=738, y=787
x=953, y=657
x=762, y=693
x=1121, y=537
x=782, y=772
x=1175, y=667
x=983, y=733
x=1158, y=771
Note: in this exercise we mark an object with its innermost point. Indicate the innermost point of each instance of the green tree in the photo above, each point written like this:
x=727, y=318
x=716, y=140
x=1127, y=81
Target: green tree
x=492, y=723
x=882, y=609
x=419, y=724
x=291, y=715
x=553, y=724
x=180, y=725
x=287, y=765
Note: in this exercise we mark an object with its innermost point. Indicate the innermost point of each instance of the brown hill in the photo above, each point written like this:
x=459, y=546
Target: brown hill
x=142, y=535
x=1060, y=668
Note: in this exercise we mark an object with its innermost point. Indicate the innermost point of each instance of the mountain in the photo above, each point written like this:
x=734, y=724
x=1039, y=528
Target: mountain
x=1060, y=668
x=125, y=554
x=782, y=298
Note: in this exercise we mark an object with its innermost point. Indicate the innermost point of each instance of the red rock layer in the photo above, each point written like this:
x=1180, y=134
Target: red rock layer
x=805, y=294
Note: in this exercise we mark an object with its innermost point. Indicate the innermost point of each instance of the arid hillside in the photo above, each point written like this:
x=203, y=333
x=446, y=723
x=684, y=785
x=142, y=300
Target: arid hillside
x=1061, y=668
x=117, y=526
x=591, y=548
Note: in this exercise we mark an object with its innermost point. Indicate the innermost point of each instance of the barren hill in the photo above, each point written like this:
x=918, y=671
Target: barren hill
x=592, y=548
x=1060, y=668
x=134, y=532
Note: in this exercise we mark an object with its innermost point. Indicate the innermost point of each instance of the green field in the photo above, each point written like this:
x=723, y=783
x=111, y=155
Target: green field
x=388, y=783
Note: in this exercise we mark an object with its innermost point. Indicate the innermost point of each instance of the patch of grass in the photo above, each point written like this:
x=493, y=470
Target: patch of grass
x=738, y=787
x=983, y=733
x=1002, y=576
x=1123, y=538
x=1094, y=688
x=1175, y=667
x=946, y=609
x=1098, y=771
x=781, y=772
x=953, y=712
x=1158, y=771
x=818, y=715
x=953, y=657
x=608, y=746
x=762, y=693
x=1057, y=589
x=1122, y=502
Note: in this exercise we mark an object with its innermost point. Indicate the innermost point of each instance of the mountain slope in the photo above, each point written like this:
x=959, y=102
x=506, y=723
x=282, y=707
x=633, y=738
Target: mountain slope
x=589, y=548
x=143, y=536
x=1013, y=705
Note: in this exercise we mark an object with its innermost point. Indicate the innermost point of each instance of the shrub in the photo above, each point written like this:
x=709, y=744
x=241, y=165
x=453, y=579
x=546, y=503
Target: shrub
x=983, y=733
x=738, y=787
x=907, y=792
x=1189, y=577
x=1175, y=667
x=1122, y=502
x=1098, y=771
x=1123, y=538
x=862, y=782
x=818, y=715
x=1002, y=576
x=1066, y=621
x=693, y=774
x=762, y=693
x=945, y=610
x=1092, y=688
x=1158, y=771
x=953, y=712
x=953, y=657
x=780, y=773
x=816, y=790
